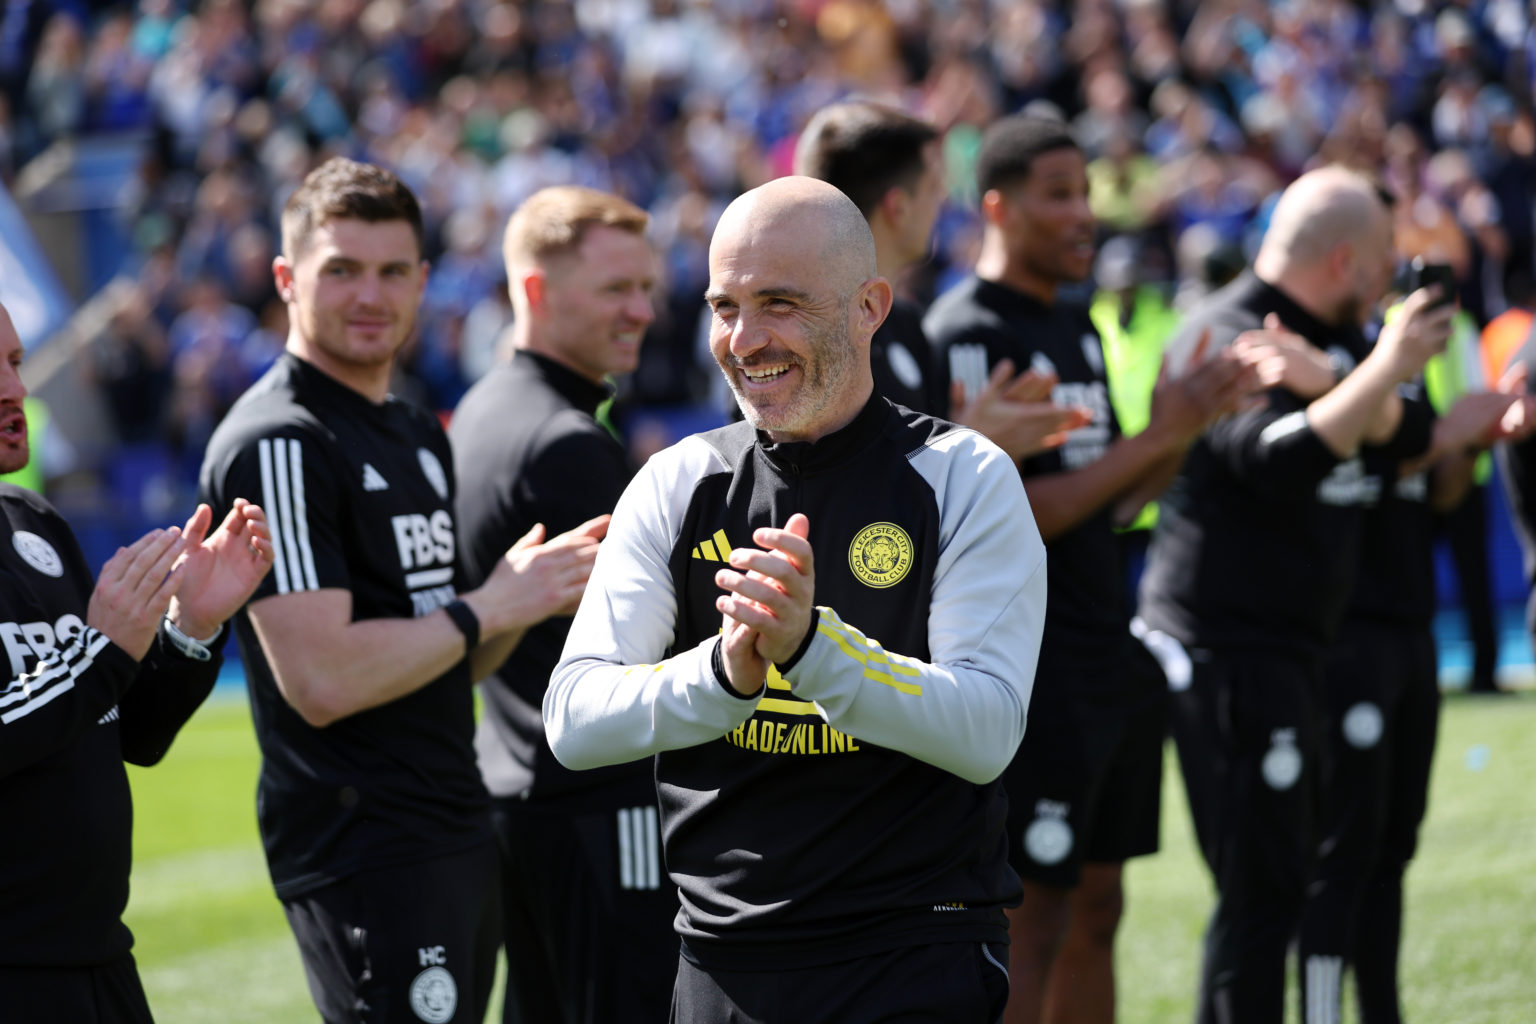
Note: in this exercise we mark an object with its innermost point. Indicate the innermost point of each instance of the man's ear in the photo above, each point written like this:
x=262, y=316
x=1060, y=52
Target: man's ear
x=534, y=283
x=1341, y=260
x=282, y=276
x=994, y=206
x=894, y=204
x=872, y=307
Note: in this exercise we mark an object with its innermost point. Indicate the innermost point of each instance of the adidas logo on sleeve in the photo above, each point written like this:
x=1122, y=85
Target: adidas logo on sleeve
x=373, y=480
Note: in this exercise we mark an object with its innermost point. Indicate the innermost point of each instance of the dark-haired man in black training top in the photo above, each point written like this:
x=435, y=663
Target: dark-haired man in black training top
x=587, y=905
x=360, y=647
x=1083, y=790
x=889, y=163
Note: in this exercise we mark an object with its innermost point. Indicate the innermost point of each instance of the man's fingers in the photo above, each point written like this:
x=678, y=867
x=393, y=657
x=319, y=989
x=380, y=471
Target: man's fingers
x=1031, y=386
x=775, y=565
x=148, y=556
x=1069, y=418
x=758, y=590
x=799, y=525
x=999, y=378
x=535, y=535
x=595, y=528
x=160, y=599
x=196, y=528
x=150, y=575
x=1204, y=343
x=1514, y=378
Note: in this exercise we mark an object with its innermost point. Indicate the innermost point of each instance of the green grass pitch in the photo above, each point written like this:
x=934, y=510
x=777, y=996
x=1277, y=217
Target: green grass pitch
x=212, y=944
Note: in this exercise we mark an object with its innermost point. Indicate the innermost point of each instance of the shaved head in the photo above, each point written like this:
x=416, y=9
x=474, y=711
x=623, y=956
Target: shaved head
x=1320, y=210
x=1329, y=245
x=797, y=295
x=813, y=216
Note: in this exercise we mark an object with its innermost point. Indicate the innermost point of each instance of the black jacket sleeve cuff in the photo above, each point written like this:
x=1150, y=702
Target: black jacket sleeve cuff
x=717, y=662
x=805, y=644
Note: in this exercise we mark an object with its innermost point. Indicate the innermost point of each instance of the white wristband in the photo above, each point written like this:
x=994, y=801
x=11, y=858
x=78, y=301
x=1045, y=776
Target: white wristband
x=197, y=650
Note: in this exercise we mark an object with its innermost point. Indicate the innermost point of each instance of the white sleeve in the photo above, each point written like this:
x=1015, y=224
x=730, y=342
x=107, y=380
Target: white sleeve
x=965, y=710
x=613, y=698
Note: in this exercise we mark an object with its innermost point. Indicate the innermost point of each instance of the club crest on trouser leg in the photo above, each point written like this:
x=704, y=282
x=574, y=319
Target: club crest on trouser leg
x=434, y=995
x=1282, y=764
x=1049, y=838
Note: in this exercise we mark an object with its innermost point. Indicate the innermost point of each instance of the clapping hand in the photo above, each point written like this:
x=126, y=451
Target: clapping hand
x=219, y=571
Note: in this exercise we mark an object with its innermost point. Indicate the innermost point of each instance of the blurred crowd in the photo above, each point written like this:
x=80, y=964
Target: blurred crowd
x=1193, y=114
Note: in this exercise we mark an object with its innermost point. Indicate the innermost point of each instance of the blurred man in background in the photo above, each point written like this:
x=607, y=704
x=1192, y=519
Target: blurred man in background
x=587, y=908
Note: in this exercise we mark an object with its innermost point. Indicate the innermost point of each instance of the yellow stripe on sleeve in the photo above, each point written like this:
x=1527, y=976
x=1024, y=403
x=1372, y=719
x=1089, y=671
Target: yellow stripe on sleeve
x=869, y=654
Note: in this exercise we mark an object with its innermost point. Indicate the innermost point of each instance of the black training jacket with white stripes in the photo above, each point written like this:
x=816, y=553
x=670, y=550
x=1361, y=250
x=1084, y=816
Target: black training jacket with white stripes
x=359, y=496
x=73, y=708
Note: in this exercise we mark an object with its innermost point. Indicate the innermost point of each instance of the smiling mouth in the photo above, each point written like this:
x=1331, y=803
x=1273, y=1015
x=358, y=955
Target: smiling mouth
x=765, y=374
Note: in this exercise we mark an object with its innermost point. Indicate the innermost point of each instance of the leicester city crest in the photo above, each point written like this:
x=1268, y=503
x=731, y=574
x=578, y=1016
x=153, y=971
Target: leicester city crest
x=38, y=553
x=880, y=555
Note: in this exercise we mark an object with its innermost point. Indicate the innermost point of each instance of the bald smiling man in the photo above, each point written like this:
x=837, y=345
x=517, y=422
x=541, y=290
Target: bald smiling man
x=823, y=623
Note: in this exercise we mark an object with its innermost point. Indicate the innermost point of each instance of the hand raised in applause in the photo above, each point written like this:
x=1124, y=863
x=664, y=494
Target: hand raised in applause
x=537, y=579
x=1287, y=360
x=1015, y=412
x=767, y=604
x=1210, y=387
x=135, y=589
x=222, y=570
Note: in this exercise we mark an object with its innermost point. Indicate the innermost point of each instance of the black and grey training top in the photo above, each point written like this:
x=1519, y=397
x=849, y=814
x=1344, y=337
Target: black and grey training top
x=529, y=451
x=359, y=496
x=852, y=805
x=73, y=707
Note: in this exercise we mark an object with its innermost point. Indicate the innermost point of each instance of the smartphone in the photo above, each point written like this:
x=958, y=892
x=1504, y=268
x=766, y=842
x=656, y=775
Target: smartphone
x=1421, y=275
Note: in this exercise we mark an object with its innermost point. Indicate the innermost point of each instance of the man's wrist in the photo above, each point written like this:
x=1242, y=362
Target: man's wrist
x=717, y=665
x=805, y=643
x=1161, y=438
x=465, y=621
x=194, y=645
